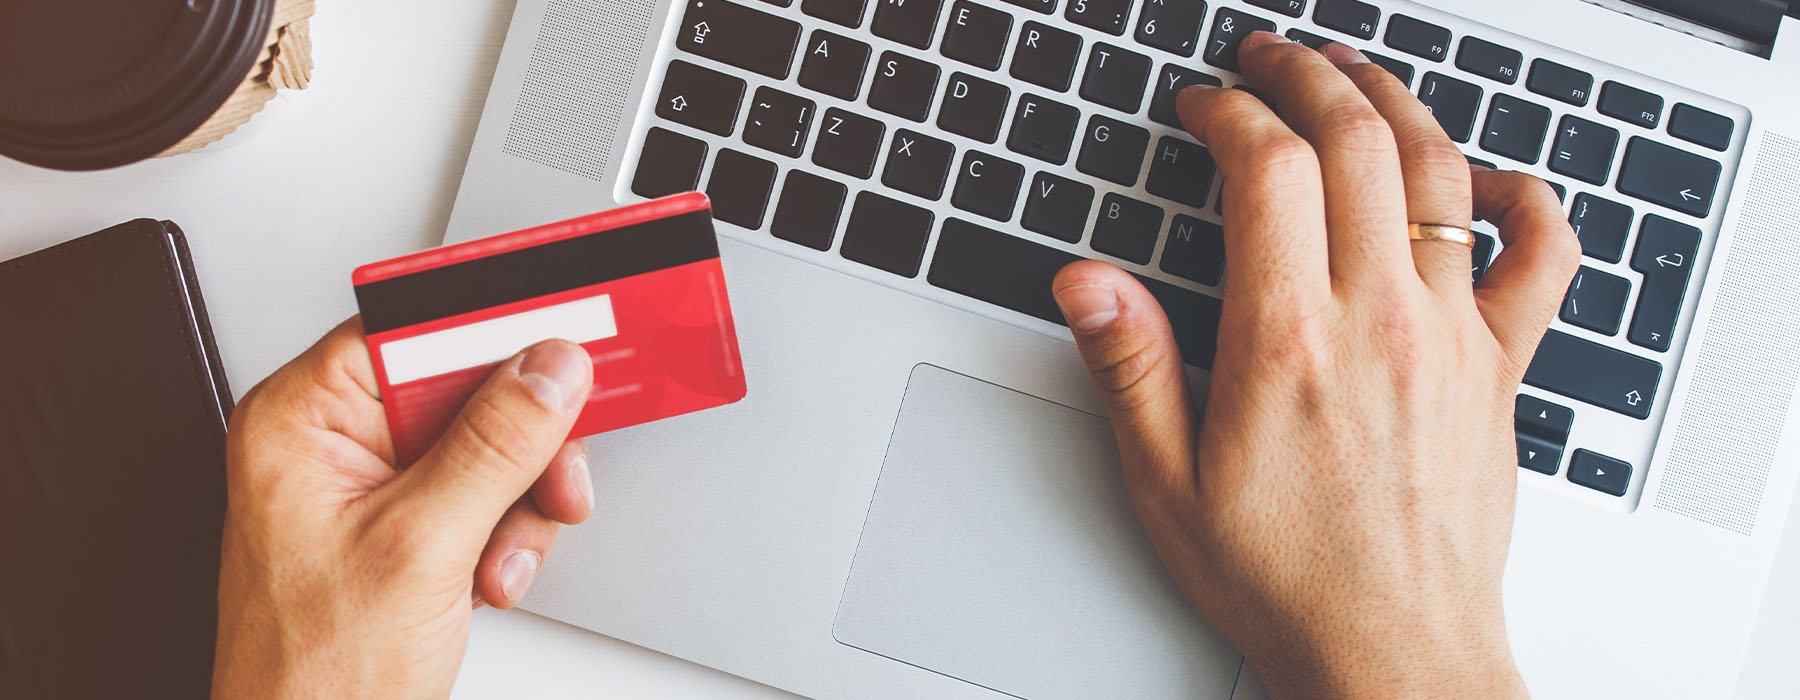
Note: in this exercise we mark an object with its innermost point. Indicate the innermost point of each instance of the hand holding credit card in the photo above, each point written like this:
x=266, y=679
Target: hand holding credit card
x=640, y=288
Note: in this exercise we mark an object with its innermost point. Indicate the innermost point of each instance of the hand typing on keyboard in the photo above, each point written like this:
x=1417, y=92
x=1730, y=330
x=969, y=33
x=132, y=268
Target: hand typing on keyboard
x=1342, y=509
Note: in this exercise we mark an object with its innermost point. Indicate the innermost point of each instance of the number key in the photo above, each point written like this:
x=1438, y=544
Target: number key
x=1171, y=25
x=1229, y=30
x=1108, y=16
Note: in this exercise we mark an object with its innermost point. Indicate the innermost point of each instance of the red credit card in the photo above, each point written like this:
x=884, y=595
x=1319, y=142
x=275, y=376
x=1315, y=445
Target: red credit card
x=640, y=288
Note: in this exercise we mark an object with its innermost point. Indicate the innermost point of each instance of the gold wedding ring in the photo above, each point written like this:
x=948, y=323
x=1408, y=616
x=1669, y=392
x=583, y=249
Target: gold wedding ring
x=1440, y=232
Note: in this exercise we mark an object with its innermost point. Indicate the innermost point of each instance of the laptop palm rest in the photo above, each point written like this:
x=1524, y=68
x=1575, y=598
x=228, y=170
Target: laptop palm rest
x=1000, y=549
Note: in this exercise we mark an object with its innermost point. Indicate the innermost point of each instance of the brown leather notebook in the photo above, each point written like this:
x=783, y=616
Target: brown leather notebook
x=112, y=470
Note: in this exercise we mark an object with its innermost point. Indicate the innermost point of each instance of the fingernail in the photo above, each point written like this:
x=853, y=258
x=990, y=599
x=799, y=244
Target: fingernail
x=475, y=601
x=556, y=374
x=1479, y=168
x=1343, y=54
x=1089, y=307
x=517, y=573
x=584, y=479
x=1262, y=38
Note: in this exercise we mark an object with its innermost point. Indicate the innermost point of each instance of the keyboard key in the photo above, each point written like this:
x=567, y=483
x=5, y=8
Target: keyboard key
x=1535, y=415
x=1669, y=176
x=834, y=65
x=1044, y=6
x=1171, y=25
x=1127, y=228
x=1600, y=472
x=1112, y=150
x=918, y=164
x=903, y=86
x=1584, y=150
x=1353, y=17
x=1418, y=37
x=753, y=40
x=1108, y=16
x=1594, y=373
x=1696, y=125
x=780, y=3
x=1014, y=273
x=1559, y=82
x=973, y=107
x=1400, y=69
x=845, y=12
x=1596, y=301
x=740, y=188
x=848, y=143
x=1489, y=60
x=1043, y=129
x=1115, y=77
x=779, y=122
x=1561, y=190
x=1229, y=29
x=1196, y=251
x=1046, y=56
x=1631, y=105
x=987, y=185
x=886, y=234
x=1515, y=129
x=1453, y=102
x=1181, y=171
x=1665, y=254
x=700, y=97
x=1057, y=207
x=1168, y=85
x=1541, y=430
x=808, y=211
x=977, y=35
x=1602, y=225
x=1291, y=8
x=1482, y=256
x=910, y=22
x=669, y=164
x=1307, y=39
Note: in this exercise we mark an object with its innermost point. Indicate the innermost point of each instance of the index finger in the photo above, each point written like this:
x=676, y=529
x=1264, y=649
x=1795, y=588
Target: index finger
x=1275, y=246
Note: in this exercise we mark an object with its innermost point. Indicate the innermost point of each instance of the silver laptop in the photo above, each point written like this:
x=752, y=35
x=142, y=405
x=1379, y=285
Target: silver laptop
x=919, y=498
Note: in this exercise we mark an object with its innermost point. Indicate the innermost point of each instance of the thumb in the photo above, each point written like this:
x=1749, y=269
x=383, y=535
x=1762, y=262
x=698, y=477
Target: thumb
x=501, y=442
x=1125, y=339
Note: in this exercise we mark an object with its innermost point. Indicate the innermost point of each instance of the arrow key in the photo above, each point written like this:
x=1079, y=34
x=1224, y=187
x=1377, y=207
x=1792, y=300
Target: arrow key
x=1665, y=254
x=1541, y=430
x=700, y=97
x=1600, y=472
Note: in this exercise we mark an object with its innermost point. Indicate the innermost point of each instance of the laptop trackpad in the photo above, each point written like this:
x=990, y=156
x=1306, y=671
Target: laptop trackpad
x=1001, y=549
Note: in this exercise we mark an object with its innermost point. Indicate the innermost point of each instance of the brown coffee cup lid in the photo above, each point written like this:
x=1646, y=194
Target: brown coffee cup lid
x=92, y=84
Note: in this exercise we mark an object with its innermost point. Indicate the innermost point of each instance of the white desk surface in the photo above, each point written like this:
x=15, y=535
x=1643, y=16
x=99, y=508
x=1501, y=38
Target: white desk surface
x=364, y=166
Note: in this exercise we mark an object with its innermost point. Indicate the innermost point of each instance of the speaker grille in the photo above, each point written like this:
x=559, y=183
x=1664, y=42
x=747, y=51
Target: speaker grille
x=1744, y=377
x=577, y=83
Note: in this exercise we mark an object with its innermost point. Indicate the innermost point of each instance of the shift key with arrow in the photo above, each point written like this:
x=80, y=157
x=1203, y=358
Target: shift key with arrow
x=1665, y=254
x=1603, y=376
x=700, y=97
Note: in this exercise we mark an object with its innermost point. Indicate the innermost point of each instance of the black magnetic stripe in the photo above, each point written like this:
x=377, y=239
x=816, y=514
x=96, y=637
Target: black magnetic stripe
x=533, y=272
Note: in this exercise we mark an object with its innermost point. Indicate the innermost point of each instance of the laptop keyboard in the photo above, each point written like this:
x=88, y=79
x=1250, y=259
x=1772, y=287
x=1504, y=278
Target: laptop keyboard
x=976, y=148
